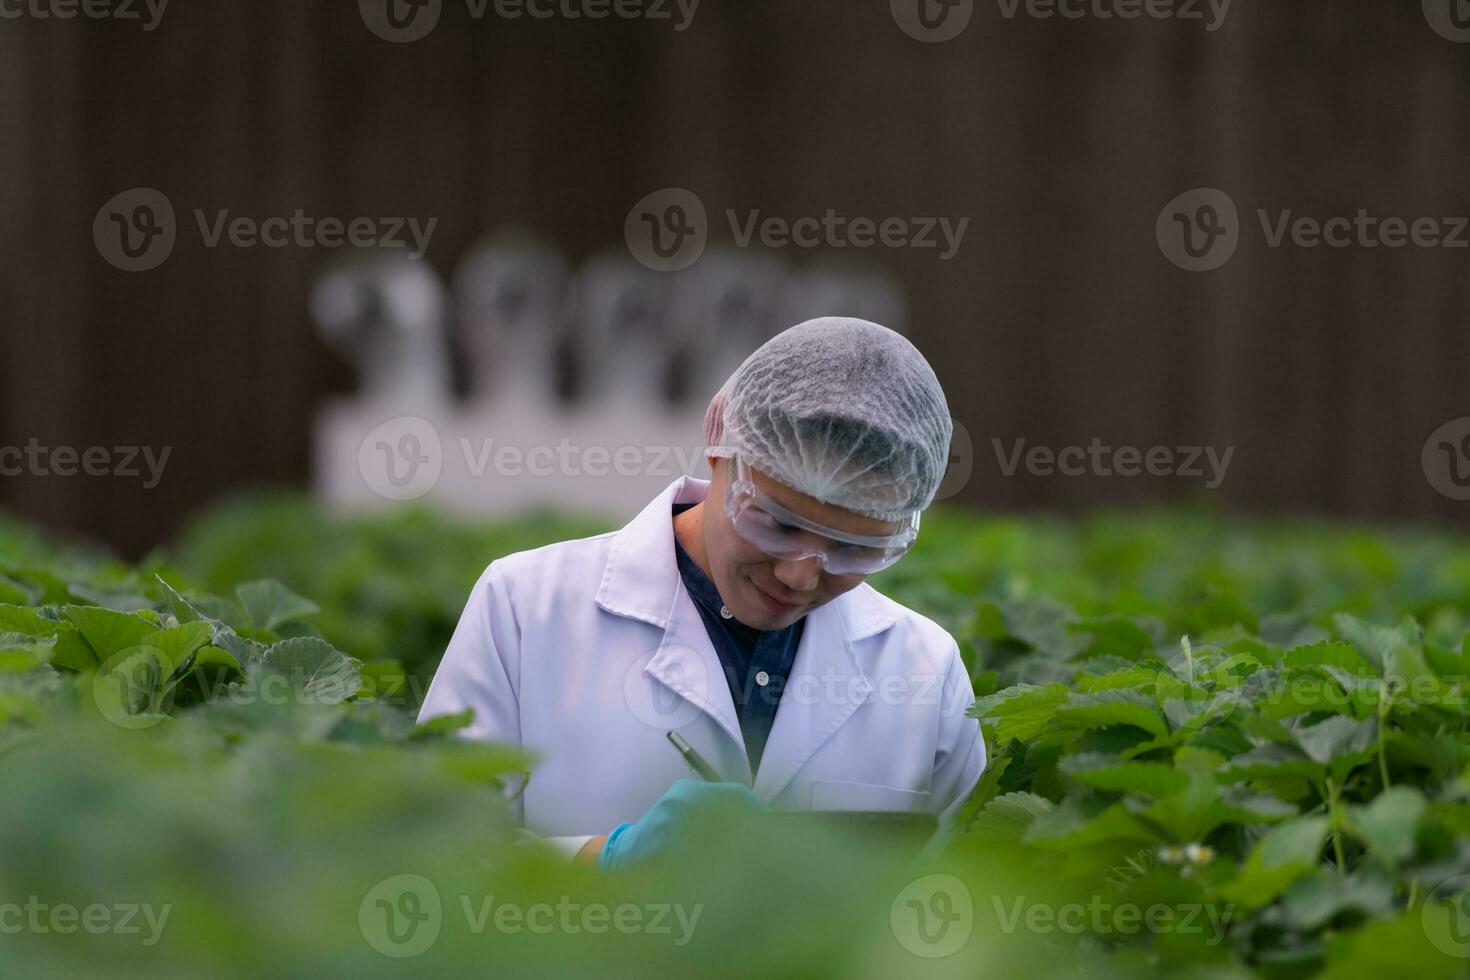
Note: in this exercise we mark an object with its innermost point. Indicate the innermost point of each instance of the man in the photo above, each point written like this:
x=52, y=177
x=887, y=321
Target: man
x=734, y=612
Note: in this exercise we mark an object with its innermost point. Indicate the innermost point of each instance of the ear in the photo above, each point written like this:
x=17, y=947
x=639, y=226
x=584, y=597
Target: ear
x=714, y=421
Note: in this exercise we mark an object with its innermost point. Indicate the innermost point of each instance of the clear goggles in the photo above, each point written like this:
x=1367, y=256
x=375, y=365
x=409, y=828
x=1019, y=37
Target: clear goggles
x=788, y=536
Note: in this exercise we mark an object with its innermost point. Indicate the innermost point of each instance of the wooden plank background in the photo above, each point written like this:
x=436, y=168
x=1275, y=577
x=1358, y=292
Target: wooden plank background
x=1061, y=140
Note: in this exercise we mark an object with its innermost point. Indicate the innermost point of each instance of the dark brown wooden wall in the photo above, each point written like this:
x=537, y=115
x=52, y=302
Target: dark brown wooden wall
x=1060, y=140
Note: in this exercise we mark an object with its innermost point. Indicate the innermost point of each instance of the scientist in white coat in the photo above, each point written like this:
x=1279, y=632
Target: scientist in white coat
x=734, y=612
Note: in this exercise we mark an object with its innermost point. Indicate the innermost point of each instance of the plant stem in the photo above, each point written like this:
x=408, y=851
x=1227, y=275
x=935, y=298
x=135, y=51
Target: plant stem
x=1335, y=818
x=1383, y=705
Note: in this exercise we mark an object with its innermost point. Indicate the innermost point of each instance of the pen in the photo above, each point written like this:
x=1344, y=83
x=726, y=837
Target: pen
x=695, y=760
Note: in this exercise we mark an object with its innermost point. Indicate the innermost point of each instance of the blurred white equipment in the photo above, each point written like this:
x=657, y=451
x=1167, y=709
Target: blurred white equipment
x=637, y=335
x=619, y=328
x=509, y=292
x=386, y=313
x=720, y=309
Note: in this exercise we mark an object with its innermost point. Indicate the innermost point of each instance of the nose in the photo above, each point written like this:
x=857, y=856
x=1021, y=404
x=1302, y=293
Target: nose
x=801, y=575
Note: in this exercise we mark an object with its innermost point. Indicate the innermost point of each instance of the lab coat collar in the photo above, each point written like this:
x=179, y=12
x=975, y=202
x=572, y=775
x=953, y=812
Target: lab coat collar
x=641, y=581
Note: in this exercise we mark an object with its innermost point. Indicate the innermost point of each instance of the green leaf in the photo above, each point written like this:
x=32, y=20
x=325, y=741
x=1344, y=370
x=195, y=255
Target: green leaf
x=1197, y=761
x=183, y=611
x=22, y=652
x=1312, y=902
x=1125, y=707
x=71, y=651
x=1380, y=644
x=1269, y=761
x=1068, y=827
x=453, y=724
x=108, y=632
x=1329, y=653
x=1190, y=814
x=116, y=601
x=212, y=656
x=320, y=672
x=1341, y=742
x=1111, y=773
x=1289, y=851
x=1389, y=823
x=1007, y=817
x=1415, y=944
x=14, y=592
x=1041, y=623
x=178, y=643
x=268, y=603
x=1020, y=712
x=1115, y=636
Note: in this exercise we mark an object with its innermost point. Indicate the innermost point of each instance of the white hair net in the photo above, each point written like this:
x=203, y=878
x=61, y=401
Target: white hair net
x=839, y=409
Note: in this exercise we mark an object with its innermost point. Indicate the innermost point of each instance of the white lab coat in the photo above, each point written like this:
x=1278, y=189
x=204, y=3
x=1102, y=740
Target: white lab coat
x=588, y=652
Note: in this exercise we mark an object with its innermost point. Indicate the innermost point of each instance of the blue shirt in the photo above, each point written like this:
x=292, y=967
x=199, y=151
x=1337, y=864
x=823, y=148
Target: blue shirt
x=748, y=655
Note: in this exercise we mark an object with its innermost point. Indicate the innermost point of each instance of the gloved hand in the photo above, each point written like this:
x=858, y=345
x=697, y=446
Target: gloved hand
x=684, y=801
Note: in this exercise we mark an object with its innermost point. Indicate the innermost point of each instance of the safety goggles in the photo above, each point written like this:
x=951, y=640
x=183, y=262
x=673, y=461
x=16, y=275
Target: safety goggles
x=788, y=536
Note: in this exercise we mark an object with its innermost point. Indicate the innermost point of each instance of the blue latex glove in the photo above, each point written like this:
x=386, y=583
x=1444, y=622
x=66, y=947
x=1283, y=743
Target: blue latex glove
x=630, y=843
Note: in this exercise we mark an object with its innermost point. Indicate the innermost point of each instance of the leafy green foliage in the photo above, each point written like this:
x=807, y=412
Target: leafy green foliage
x=1262, y=722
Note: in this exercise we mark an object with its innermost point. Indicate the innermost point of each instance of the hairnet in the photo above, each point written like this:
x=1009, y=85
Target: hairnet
x=839, y=409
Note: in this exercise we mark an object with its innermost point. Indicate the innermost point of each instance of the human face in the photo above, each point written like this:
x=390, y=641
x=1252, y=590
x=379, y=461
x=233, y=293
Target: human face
x=762, y=591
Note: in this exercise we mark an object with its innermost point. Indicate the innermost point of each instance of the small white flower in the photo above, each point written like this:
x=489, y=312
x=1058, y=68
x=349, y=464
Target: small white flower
x=1199, y=853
